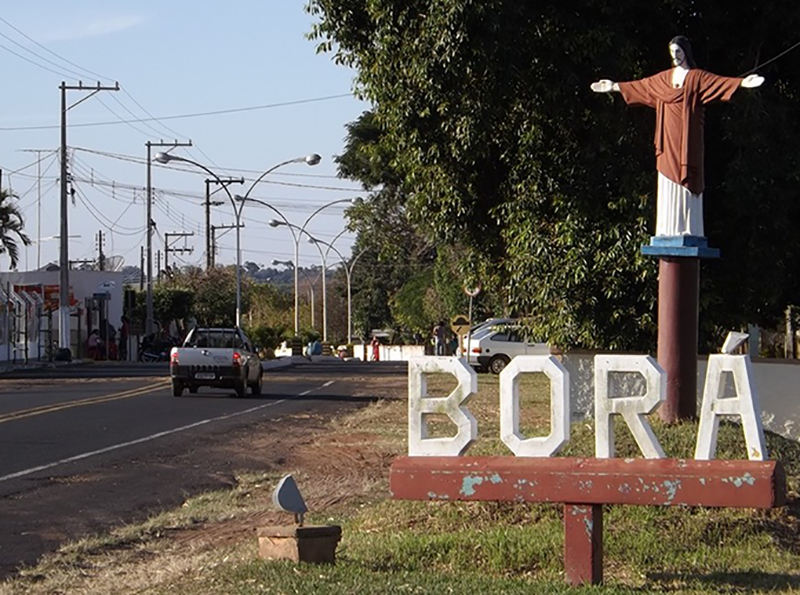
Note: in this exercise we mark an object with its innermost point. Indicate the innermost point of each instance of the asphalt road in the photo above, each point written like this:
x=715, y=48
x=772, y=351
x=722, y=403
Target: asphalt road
x=120, y=427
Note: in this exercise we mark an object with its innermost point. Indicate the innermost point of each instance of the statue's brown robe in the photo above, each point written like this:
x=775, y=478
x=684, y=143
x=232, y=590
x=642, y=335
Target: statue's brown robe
x=679, y=119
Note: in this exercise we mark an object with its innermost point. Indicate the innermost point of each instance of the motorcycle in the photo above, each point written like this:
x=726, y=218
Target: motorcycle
x=151, y=351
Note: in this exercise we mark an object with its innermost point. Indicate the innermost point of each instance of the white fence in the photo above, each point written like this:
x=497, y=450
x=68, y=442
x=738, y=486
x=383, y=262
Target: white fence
x=776, y=381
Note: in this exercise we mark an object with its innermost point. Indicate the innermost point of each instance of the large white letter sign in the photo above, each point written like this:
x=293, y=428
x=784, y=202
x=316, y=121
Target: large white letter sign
x=544, y=446
x=744, y=404
x=632, y=409
x=420, y=405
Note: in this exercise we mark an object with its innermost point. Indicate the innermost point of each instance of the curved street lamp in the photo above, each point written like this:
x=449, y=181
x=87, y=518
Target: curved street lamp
x=297, y=232
x=290, y=264
x=348, y=271
x=311, y=159
x=323, y=257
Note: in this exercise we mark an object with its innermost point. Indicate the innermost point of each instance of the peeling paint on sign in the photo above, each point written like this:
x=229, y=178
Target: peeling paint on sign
x=740, y=481
x=672, y=488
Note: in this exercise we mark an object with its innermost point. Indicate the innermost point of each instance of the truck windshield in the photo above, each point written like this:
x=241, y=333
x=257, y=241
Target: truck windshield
x=214, y=338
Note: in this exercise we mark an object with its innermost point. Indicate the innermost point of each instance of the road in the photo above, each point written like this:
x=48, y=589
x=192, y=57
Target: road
x=86, y=447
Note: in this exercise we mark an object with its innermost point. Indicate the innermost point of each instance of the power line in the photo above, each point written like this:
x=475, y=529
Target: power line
x=142, y=160
x=51, y=52
x=783, y=53
x=78, y=74
x=184, y=116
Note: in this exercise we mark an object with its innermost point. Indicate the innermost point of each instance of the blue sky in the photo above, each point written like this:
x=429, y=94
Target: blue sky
x=172, y=59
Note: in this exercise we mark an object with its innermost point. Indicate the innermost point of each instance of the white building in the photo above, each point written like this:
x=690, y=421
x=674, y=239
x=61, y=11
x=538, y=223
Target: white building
x=29, y=310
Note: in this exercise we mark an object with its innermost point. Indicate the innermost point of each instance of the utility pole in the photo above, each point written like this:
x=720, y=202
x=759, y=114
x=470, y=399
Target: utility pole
x=141, y=269
x=64, y=339
x=222, y=182
x=214, y=229
x=168, y=248
x=148, y=324
x=101, y=258
x=158, y=266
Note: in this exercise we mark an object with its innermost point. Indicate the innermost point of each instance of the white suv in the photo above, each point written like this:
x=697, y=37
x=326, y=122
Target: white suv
x=494, y=346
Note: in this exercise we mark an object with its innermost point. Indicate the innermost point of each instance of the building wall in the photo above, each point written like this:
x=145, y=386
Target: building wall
x=84, y=285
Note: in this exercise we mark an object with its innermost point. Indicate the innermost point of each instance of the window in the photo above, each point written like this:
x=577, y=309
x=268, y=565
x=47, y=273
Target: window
x=215, y=338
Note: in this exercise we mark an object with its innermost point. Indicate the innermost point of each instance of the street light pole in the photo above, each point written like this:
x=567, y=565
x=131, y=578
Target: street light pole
x=149, y=312
x=301, y=231
x=324, y=257
x=237, y=212
x=296, y=235
x=289, y=263
x=348, y=270
x=310, y=159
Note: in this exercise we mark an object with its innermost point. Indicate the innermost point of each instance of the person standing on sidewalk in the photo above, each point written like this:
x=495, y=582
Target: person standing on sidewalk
x=439, y=333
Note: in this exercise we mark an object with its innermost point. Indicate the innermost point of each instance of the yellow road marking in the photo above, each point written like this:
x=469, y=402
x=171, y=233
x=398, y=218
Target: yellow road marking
x=135, y=392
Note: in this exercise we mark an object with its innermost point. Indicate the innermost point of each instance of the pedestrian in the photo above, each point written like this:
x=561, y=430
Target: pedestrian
x=439, y=332
x=376, y=351
x=95, y=345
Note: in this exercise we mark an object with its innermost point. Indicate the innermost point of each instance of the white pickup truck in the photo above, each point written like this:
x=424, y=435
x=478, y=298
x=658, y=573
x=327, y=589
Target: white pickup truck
x=217, y=357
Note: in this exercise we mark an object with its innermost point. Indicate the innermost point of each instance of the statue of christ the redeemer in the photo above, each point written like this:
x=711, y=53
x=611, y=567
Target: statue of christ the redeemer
x=679, y=96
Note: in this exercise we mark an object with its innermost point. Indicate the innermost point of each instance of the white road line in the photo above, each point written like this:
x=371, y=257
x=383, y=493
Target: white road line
x=93, y=453
x=86, y=455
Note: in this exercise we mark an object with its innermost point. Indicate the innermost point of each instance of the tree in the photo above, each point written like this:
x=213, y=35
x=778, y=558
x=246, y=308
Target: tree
x=501, y=147
x=215, y=294
x=396, y=277
x=172, y=303
x=11, y=228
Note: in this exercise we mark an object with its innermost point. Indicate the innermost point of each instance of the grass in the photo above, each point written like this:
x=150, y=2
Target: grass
x=448, y=547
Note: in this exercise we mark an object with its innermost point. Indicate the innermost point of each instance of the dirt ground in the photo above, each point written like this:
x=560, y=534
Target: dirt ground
x=332, y=463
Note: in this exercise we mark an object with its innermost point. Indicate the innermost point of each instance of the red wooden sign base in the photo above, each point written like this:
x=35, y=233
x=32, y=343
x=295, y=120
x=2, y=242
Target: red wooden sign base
x=584, y=485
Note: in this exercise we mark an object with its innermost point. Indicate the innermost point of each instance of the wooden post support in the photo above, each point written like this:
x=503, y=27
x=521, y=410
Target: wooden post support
x=583, y=543
x=585, y=485
x=678, y=307
x=678, y=310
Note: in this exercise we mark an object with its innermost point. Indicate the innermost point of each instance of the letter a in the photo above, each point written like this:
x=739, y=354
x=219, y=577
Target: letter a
x=744, y=404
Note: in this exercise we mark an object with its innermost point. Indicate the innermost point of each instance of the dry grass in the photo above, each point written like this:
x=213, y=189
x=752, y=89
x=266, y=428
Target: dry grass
x=340, y=470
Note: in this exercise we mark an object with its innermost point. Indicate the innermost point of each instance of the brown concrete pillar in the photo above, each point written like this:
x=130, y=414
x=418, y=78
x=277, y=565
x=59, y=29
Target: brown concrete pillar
x=678, y=306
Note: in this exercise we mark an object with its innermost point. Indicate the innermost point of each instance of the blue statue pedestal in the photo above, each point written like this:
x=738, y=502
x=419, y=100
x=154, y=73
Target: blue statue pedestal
x=678, y=308
x=680, y=246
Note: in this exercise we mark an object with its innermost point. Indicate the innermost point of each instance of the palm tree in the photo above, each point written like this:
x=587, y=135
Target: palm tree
x=11, y=228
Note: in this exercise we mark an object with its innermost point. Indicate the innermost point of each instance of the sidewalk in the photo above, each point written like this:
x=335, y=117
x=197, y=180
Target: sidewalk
x=7, y=366
x=266, y=364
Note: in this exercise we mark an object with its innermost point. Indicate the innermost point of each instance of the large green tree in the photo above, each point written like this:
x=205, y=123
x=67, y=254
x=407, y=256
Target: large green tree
x=11, y=228
x=502, y=148
x=408, y=279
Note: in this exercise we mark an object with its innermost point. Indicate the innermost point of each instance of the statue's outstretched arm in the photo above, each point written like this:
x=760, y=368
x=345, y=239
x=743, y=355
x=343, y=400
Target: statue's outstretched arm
x=605, y=86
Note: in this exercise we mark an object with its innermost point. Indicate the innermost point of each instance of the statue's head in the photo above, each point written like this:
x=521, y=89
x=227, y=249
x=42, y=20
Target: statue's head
x=680, y=49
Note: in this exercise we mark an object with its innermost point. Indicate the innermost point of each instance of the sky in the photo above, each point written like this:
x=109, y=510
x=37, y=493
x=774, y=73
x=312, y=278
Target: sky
x=238, y=79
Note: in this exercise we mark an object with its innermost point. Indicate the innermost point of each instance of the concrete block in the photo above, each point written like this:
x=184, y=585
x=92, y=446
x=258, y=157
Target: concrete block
x=315, y=543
